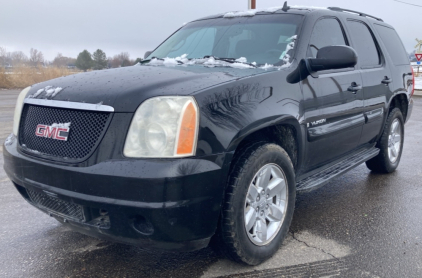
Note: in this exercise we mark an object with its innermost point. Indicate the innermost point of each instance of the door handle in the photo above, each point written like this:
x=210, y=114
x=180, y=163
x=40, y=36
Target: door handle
x=387, y=80
x=354, y=88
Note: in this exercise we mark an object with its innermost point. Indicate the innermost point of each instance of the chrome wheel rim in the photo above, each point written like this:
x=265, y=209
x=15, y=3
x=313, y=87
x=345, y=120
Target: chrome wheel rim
x=266, y=204
x=394, y=141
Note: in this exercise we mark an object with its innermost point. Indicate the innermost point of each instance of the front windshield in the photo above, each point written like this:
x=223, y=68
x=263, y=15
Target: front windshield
x=263, y=39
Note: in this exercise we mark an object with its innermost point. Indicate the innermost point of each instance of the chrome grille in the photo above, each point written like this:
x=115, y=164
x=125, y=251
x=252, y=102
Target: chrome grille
x=86, y=130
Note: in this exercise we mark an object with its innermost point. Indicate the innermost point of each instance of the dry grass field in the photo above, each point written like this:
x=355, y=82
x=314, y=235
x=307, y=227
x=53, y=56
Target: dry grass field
x=22, y=77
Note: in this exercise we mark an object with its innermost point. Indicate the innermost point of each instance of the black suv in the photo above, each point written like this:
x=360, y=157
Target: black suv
x=212, y=135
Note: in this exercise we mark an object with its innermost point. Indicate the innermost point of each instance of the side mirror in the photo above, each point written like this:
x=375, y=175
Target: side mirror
x=333, y=57
x=328, y=58
x=147, y=54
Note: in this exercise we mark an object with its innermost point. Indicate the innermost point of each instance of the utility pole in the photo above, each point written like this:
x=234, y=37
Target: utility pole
x=251, y=4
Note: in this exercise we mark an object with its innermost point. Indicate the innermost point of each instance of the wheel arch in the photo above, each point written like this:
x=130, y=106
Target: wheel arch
x=282, y=130
x=399, y=101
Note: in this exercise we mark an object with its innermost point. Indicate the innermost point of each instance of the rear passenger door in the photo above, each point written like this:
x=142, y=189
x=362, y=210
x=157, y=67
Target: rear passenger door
x=376, y=77
x=333, y=101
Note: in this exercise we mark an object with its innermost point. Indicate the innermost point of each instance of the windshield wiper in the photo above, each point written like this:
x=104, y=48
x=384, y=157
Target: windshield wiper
x=229, y=60
x=160, y=59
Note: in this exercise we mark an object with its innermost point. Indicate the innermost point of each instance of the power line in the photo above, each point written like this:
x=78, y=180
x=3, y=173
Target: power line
x=408, y=3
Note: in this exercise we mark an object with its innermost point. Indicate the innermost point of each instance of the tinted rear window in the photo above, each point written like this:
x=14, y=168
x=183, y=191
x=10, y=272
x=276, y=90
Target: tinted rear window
x=393, y=44
x=364, y=44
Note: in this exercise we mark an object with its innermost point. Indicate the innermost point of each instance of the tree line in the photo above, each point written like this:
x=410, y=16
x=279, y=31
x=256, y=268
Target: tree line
x=84, y=61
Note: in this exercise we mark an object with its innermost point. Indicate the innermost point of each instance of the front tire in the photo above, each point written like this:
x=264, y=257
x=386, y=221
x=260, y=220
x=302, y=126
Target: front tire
x=390, y=144
x=259, y=204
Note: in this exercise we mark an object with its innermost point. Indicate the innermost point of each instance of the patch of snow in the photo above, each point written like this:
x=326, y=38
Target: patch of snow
x=286, y=58
x=266, y=66
x=241, y=66
x=242, y=60
x=240, y=14
x=38, y=93
x=205, y=61
x=29, y=150
x=10, y=139
x=286, y=65
x=49, y=91
x=267, y=10
x=169, y=61
x=212, y=62
x=292, y=38
x=56, y=91
x=61, y=125
x=290, y=46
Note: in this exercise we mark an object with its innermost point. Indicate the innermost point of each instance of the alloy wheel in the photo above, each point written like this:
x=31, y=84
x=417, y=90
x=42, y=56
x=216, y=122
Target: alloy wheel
x=266, y=204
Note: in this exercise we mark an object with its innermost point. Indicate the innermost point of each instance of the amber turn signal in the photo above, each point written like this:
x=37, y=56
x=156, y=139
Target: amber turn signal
x=186, y=139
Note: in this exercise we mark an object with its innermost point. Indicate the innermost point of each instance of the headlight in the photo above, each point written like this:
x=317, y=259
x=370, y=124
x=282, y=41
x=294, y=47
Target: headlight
x=163, y=127
x=18, y=110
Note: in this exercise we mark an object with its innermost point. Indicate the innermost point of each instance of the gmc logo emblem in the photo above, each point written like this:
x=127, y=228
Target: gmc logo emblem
x=57, y=132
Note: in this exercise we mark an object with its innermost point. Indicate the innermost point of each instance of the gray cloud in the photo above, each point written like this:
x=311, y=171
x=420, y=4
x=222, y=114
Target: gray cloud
x=68, y=27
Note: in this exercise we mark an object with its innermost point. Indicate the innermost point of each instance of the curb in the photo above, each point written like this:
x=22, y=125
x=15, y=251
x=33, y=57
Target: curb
x=418, y=93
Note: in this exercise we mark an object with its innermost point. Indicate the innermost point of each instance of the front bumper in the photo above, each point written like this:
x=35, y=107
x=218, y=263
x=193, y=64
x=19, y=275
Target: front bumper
x=169, y=204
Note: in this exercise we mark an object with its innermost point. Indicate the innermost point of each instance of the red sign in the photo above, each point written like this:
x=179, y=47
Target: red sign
x=418, y=57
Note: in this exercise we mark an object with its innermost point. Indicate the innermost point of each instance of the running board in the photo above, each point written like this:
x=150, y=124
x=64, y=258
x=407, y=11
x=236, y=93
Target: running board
x=321, y=178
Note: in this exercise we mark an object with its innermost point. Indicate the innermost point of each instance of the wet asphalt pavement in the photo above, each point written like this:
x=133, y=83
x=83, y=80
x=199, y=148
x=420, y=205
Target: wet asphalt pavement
x=359, y=225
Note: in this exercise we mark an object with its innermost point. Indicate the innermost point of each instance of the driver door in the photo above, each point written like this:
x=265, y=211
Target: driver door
x=333, y=101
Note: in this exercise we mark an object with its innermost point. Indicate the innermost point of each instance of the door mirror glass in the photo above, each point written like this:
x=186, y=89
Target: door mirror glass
x=147, y=54
x=333, y=57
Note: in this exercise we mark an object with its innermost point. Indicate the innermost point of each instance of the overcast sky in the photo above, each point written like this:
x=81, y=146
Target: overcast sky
x=68, y=27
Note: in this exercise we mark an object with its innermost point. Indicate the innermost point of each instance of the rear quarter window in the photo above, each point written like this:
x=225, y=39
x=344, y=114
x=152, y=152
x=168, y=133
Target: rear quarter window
x=364, y=44
x=393, y=44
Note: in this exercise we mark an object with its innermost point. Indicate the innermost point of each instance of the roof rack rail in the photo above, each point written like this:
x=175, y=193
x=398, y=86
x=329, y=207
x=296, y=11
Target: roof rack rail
x=336, y=9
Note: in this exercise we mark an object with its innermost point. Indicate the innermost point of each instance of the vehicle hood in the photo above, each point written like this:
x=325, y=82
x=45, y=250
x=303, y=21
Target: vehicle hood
x=126, y=88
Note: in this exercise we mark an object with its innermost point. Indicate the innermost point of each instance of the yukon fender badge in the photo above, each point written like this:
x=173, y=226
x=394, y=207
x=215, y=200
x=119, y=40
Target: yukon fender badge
x=319, y=122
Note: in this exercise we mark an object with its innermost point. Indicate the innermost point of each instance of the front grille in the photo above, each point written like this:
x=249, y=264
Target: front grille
x=86, y=130
x=57, y=206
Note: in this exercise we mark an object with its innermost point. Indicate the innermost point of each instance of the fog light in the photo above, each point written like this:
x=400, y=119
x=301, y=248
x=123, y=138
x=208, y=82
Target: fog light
x=143, y=226
x=103, y=212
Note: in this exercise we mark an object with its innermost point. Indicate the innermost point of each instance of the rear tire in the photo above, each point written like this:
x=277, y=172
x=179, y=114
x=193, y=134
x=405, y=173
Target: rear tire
x=390, y=144
x=258, y=206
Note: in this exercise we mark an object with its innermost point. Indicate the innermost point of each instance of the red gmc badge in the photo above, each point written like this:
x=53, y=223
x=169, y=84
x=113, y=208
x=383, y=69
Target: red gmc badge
x=54, y=131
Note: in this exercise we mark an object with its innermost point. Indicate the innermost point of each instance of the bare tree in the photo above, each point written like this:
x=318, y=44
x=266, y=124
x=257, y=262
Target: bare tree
x=62, y=61
x=3, y=56
x=35, y=57
x=120, y=60
x=18, y=58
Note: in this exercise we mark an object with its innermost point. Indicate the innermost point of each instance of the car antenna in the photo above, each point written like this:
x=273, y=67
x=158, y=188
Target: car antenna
x=285, y=7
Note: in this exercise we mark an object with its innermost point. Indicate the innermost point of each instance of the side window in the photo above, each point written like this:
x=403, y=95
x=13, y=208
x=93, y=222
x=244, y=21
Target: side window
x=363, y=43
x=393, y=44
x=327, y=31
